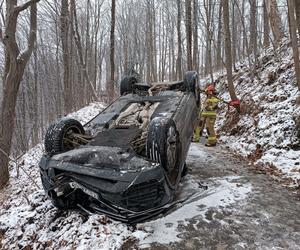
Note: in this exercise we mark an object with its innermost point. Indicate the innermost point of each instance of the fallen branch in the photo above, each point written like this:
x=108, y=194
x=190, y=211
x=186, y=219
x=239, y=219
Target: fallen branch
x=19, y=166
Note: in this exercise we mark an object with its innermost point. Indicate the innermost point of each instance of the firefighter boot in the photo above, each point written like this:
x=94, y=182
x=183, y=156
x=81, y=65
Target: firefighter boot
x=196, y=135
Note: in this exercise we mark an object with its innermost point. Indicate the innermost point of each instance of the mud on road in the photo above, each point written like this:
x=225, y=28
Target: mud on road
x=239, y=209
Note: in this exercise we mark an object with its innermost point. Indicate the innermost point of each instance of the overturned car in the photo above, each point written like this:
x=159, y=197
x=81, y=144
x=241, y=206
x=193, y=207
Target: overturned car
x=128, y=160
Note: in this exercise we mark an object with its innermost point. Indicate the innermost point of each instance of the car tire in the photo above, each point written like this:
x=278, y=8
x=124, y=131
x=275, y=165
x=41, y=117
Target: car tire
x=163, y=146
x=57, y=133
x=126, y=85
x=190, y=84
x=190, y=81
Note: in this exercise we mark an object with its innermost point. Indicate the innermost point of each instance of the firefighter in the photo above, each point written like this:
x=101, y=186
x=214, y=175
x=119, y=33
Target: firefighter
x=208, y=117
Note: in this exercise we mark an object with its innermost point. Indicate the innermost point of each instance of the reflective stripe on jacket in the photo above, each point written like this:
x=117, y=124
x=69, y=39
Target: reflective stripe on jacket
x=209, y=113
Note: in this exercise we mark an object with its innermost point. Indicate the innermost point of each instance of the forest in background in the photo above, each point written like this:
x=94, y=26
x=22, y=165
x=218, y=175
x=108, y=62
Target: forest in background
x=83, y=48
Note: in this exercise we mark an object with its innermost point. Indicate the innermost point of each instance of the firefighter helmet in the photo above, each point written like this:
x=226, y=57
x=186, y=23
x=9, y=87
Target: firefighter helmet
x=210, y=88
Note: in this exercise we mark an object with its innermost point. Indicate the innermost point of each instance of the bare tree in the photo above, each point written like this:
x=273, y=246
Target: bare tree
x=150, y=44
x=16, y=62
x=219, y=39
x=234, y=35
x=297, y=7
x=253, y=33
x=244, y=30
x=82, y=59
x=195, y=36
x=228, y=50
x=293, y=33
x=208, y=24
x=275, y=21
x=64, y=31
x=266, y=26
x=179, y=48
x=112, y=50
x=188, y=24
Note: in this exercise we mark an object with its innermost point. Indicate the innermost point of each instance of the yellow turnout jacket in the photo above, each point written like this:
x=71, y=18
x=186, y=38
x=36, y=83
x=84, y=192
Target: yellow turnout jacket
x=210, y=107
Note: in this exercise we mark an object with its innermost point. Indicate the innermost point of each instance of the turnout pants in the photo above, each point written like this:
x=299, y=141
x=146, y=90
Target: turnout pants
x=209, y=123
x=210, y=126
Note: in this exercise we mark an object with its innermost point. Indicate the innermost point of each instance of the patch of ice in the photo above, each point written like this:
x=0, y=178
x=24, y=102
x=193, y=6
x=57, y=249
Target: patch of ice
x=225, y=194
x=194, y=151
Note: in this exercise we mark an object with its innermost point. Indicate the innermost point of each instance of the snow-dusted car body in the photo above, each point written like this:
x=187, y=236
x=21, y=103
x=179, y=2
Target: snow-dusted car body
x=128, y=160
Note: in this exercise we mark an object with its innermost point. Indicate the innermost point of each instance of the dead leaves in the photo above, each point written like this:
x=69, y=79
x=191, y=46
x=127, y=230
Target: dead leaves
x=257, y=154
x=104, y=220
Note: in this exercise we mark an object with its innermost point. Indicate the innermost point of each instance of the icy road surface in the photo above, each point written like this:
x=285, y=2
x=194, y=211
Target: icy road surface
x=239, y=210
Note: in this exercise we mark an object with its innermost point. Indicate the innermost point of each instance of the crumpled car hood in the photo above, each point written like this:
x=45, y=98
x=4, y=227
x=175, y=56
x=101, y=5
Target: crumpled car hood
x=101, y=157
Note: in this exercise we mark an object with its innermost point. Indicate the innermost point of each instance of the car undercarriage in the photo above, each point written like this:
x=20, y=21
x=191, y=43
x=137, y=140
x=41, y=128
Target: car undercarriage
x=128, y=160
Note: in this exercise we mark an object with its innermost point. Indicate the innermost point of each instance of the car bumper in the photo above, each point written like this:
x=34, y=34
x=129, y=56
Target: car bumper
x=128, y=196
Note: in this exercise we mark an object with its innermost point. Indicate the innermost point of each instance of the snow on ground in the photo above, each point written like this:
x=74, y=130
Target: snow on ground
x=87, y=113
x=28, y=219
x=266, y=133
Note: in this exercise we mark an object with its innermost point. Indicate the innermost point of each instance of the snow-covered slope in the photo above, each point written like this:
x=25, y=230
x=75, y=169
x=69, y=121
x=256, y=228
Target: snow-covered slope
x=28, y=220
x=268, y=130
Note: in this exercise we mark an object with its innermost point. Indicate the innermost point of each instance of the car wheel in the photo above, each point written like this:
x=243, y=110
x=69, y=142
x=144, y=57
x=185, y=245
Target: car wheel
x=126, y=85
x=190, y=84
x=163, y=146
x=60, y=136
x=190, y=81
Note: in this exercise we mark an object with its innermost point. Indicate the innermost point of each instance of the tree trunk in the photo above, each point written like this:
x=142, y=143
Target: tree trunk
x=15, y=70
x=266, y=27
x=179, y=48
x=188, y=8
x=195, y=36
x=153, y=43
x=245, y=40
x=228, y=50
x=297, y=7
x=275, y=21
x=253, y=32
x=234, y=35
x=209, y=37
x=148, y=43
x=293, y=33
x=64, y=31
x=112, y=50
x=219, y=38
x=35, y=133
